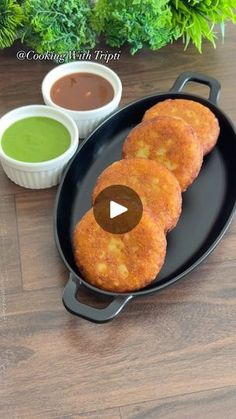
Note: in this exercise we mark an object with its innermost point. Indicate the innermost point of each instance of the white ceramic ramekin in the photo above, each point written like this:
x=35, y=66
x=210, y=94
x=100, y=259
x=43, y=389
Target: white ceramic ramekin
x=44, y=174
x=87, y=121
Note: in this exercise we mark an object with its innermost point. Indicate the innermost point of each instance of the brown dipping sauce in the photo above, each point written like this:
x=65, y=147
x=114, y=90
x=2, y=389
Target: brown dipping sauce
x=82, y=91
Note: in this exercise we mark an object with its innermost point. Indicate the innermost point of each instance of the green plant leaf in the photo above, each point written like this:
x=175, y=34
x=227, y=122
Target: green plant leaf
x=58, y=26
x=10, y=20
x=135, y=22
x=196, y=19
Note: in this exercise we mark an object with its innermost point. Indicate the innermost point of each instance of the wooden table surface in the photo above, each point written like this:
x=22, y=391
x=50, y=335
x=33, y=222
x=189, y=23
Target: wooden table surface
x=172, y=355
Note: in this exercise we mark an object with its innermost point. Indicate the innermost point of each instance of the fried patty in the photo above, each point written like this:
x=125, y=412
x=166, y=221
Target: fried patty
x=170, y=141
x=156, y=186
x=202, y=120
x=119, y=262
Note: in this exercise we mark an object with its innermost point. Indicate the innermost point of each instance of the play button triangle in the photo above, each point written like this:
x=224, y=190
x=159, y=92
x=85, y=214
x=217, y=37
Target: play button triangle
x=116, y=209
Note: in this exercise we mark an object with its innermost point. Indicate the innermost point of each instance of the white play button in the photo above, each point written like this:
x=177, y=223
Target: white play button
x=116, y=209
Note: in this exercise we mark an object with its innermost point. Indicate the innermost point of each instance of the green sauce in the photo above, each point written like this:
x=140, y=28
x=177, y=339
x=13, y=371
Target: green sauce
x=35, y=139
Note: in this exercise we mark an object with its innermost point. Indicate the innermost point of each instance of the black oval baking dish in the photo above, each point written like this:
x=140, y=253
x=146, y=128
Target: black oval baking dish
x=208, y=205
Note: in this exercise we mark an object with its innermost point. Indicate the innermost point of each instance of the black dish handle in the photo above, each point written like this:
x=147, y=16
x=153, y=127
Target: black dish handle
x=96, y=315
x=189, y=76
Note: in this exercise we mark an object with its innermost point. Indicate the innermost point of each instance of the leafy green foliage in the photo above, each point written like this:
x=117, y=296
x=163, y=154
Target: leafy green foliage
x=196, y=18
x=58, y=25
x=10, y=19
x=137, y=22
x=64, y=25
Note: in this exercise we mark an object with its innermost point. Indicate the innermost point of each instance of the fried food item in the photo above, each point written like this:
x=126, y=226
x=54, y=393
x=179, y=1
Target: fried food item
x=119, y=262
x=202, y=120
x=156, y=186
x=170, y=141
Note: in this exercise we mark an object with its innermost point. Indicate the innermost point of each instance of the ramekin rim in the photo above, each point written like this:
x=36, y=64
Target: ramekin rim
x=48, y=163
x=91, y=112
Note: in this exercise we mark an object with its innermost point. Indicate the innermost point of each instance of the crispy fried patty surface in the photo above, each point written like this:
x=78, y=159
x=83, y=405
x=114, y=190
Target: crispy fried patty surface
x=119, y=262
x=156, y=186
x=202, y=120
x=169, y=141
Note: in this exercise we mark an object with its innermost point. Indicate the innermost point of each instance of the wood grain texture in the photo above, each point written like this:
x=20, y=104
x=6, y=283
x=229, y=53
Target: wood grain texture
x=41, y=268
x=10, y=271
x=172, y=355
x=211, y=404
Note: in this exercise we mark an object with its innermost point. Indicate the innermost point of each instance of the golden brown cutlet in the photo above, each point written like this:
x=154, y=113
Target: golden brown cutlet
x=156, y=186
x=170, y=141
x=119, y=262
x=202, y=120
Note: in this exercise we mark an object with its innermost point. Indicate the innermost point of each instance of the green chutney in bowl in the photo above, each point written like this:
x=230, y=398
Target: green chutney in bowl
x=36, y=144
x=35, y=139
